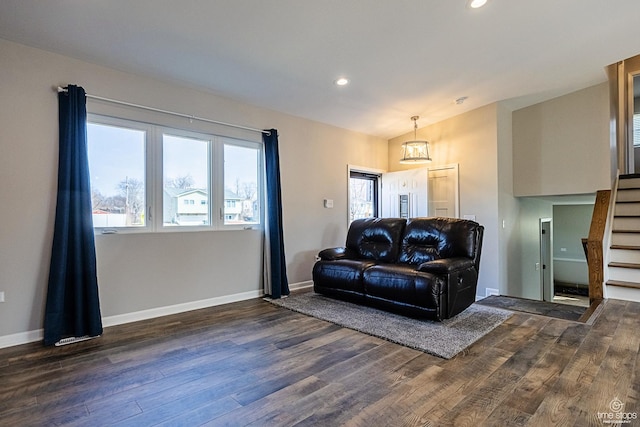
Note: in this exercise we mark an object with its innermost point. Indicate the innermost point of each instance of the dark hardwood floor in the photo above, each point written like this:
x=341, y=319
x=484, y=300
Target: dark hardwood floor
x=252, y=363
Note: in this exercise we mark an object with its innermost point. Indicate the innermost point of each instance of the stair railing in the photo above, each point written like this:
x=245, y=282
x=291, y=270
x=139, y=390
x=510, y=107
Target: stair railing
x=595, y=246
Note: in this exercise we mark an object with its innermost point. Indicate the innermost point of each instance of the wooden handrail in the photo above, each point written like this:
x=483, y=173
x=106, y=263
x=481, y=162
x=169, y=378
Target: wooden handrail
x=595, y=253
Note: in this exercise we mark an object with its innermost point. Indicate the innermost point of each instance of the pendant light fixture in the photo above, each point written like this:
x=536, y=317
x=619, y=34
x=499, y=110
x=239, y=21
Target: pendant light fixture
x=415, y=152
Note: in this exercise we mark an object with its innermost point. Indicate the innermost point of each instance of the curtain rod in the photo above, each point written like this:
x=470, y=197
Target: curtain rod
x=173, y=113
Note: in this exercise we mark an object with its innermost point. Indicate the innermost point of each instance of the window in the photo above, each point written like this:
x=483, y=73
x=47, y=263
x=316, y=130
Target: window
x=363, y=194
x=185, y=174
x=118, y=175
x=146, y=177
x=242, y=198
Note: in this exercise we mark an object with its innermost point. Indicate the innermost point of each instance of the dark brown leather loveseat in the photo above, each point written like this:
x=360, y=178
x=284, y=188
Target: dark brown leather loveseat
x=422, y=267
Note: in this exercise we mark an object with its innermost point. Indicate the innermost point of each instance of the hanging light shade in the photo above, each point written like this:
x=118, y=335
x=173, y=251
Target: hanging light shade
x=415, y=152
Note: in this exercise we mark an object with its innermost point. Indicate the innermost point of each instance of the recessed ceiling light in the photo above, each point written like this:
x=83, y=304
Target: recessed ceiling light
x=474, y=4
x=342, y=81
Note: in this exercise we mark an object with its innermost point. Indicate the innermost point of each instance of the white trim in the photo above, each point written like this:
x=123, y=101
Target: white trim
x=607, y=238
x=301, y=285
x=21, y=338
x=154, y=134
x=551, y=292
x=582, y=261
x=178, y=308
x=38, y=335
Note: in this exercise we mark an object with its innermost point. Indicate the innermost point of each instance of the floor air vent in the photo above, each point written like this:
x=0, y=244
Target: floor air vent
x=73, y=340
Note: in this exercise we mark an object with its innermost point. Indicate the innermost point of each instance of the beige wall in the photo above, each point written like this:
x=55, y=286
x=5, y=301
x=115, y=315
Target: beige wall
x=471, y=140
x=508, y=206
x=561, y=149
x=150, y=271
x=559, y=145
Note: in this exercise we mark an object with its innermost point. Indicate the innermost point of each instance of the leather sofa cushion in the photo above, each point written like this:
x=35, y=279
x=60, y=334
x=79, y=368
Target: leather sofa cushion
x=376, y=238
x=428, y=239
x=403, y=283
x=346, y=274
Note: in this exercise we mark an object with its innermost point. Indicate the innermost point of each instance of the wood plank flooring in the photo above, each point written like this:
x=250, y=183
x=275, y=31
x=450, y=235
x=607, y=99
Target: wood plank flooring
x=252, y=363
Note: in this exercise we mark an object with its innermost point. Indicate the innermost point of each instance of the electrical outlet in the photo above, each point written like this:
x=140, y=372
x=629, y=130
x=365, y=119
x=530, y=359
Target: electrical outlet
x=2, y=296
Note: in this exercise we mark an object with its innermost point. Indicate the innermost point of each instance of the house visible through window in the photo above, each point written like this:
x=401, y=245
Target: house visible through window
x=241, y=192
x=363, y=194
x=186, y=177
x=202, y=180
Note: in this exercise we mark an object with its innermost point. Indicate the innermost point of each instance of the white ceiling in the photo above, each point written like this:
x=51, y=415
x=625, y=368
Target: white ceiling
x=404, y=57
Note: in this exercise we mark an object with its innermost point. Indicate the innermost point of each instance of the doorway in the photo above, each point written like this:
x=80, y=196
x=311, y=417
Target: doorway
x=546, y=265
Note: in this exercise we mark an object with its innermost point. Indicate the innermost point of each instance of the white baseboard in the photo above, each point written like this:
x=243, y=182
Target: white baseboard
x=21, y=338
x=177, y=308
x=38, y=335
x=301, y=285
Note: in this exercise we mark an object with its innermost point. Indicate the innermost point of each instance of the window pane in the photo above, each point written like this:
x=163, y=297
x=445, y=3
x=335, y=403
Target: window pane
x=363, y=197
x=117, y=169
x=241, y=191
x=186, y=181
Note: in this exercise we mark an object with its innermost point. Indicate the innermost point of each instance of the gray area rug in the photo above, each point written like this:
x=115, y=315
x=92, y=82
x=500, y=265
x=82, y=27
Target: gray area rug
x=443, y=339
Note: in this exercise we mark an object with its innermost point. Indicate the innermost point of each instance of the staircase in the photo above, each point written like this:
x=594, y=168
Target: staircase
x=624, y=255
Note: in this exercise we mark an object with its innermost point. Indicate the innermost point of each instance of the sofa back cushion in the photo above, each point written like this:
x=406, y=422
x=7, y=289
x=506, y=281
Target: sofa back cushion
x=426, y=239
x=376, y=238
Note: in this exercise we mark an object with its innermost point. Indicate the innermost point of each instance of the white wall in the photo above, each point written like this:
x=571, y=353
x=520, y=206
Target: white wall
x=149, y=271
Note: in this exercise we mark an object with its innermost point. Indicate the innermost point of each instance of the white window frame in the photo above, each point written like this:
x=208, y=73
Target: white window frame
x=154, y=221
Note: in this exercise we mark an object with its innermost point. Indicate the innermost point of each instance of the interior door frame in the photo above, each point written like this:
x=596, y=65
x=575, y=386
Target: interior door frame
x=456, y=168
x=546, y=259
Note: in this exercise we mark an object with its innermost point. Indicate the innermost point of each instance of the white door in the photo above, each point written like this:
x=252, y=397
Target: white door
x=443, y=191
x=404, y=194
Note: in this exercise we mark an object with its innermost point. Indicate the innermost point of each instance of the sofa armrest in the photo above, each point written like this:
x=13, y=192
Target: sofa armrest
x=333, y=254
x=446, y=265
